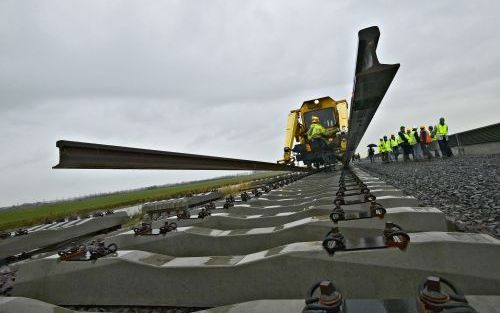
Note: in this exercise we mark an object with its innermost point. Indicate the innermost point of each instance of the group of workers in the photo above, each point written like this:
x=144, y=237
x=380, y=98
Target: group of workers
x=420, y=144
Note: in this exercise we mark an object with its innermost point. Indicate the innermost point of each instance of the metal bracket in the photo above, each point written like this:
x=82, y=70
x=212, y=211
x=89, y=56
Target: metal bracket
x=393, y=236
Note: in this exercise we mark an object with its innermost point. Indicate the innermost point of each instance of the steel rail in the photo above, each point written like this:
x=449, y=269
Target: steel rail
x=81, y=155
x=371, y=81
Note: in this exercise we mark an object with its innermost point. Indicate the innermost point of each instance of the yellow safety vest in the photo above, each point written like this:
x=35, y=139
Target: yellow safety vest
x=400, y=140
x=394, y=142
x=388, y=147
x=411, y=138
x=441, y=130
x=316, y=130
x=381, y=147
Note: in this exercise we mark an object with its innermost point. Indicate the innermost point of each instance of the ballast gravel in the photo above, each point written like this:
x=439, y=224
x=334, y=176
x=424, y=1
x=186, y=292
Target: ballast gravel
x=7, y=278
x=466, y=188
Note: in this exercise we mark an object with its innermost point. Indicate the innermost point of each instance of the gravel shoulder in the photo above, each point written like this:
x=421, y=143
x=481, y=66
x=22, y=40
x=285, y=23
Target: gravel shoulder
x=466, y=189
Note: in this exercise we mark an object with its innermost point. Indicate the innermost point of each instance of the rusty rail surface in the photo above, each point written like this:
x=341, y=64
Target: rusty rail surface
x=81, y=155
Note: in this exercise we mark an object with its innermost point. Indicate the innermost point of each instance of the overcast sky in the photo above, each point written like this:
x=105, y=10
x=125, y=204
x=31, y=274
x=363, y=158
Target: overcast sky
x=218, y=78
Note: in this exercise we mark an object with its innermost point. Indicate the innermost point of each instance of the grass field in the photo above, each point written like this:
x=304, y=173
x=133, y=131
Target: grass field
x=19, y=217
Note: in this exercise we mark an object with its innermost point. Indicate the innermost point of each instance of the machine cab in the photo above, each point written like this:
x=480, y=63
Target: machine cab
x=332, y=116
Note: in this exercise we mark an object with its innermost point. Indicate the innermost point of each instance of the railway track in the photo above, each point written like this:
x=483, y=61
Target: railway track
x=53, y=235
x=276, y=246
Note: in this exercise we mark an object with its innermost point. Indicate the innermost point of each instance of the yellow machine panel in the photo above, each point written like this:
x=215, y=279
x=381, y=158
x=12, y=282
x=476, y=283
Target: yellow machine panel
x=342, y=109
x=290, y=134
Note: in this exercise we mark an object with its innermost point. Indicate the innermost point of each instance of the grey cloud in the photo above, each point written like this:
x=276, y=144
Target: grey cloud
x=219, y=77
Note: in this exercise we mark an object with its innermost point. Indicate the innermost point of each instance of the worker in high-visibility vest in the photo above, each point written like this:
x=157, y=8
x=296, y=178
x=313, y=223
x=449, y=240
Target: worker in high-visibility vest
x=381, y=146
x=388, y=149
x=381, y=149
x=442, y=137
x=316, y=135
x=404, y=144
x=394, y=147
x=316, y=130
x=434, y=144
x=411, y=140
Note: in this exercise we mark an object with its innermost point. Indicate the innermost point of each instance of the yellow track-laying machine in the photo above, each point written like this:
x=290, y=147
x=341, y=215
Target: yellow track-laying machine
x=342, y=132
x=332, y=116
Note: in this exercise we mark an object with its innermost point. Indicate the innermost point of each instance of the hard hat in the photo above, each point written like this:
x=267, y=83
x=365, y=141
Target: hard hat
x=392, y=135
x=402, y=127
x=315, y=119
x=422, y=126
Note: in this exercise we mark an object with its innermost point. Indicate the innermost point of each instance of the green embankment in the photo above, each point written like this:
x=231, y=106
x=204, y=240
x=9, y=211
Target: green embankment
x=19, y=217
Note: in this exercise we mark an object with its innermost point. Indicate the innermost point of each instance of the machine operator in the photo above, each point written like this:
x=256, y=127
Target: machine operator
x=316, y=133
x=316, y=130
